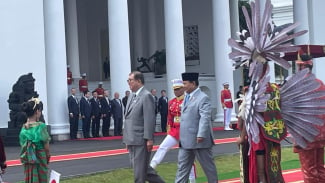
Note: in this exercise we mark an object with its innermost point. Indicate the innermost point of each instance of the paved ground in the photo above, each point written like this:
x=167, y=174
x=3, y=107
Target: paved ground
x=98, y=164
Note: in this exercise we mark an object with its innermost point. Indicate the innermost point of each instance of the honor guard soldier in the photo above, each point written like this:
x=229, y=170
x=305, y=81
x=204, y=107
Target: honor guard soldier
x=174, y=118
x=100, y=90
x=227, y=105
x=69, y=75
x=83, y=83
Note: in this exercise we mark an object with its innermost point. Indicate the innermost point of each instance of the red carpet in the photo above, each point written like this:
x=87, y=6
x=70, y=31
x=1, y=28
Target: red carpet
x=120, y=137
x=96, y=154
x=290, y=176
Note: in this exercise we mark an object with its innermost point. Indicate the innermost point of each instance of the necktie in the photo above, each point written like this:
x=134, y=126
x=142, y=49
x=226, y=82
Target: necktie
x=187, y=98
x=133, y=97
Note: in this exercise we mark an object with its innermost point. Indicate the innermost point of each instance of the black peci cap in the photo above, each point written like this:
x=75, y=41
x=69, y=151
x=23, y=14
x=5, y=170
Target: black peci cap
x=190, y=76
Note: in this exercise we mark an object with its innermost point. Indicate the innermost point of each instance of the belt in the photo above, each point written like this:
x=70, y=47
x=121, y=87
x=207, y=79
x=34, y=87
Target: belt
x=177, y=119
x=227, y=100
x=84, y=86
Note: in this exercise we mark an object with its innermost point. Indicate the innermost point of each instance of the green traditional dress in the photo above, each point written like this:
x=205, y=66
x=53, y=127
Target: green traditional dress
x=33, y=155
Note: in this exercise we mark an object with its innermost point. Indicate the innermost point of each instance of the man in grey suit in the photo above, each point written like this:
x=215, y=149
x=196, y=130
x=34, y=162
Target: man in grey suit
x=196, y=136
x=139, y=127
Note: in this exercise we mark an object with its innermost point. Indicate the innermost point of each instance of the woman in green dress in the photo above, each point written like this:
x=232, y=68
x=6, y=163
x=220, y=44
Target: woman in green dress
x=34, y=140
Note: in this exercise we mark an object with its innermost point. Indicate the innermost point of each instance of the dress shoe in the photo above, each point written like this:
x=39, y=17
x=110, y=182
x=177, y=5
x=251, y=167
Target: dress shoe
x=228, y=129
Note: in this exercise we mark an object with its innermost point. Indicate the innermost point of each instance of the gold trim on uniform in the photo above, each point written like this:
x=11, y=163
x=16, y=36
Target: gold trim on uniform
x=177, y=119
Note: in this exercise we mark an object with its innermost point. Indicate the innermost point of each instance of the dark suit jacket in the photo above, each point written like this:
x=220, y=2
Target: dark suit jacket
x=155, y=98
x=124, y=101
x=73, y=105
x=85, y=107
x=163, y=105
x=95, y=107
x=106, y=107
x=117, y=109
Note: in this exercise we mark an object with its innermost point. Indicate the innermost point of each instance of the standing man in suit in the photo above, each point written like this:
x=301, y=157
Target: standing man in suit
x=163, y=109
x=196, y=136
x=73, y=106
x=154, y=93
x=95, y=114
x=139, y=128
x=125, y=99
x=106, y=113
x=117, y=111
x=85, y=111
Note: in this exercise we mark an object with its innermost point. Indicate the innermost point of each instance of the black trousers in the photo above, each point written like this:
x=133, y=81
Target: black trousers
x=74, y=126
x=86, y=127
x=163, y=122
x=106, y=125
x=118, y=122
x=95, y=124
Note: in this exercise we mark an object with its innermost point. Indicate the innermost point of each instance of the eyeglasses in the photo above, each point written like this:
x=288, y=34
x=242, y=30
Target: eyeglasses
x=129, y=80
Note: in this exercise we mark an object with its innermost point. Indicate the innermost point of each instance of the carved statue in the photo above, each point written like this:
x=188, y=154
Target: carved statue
x=159, y=63
x=22, y=91
x=144, y=62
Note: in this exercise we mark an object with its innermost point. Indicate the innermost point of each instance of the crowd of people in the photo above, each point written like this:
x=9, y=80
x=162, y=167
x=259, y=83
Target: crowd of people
x=95, y=109
x=188, y=125
x=187, y=120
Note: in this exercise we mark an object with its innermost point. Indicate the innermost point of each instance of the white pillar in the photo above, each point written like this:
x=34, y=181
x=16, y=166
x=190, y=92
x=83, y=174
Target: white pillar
x=223, y=65
x=300, y=14
x=234, y=21
x=72, y=37
x=234, y=18
x=152, y=28
x=138, y=31
x=317, y=36
x=119, y=45
x=175, y=56
x=56, y=72
x=271, y=63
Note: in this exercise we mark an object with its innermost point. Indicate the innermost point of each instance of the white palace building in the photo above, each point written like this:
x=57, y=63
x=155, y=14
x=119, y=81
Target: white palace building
x=44, y=36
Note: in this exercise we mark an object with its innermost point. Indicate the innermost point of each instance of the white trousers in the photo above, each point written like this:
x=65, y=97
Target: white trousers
x=165, y=146
x=227, y=116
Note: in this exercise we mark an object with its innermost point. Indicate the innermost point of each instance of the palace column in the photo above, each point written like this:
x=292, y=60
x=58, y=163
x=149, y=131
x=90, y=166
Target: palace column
x=223, y=65
x=311, y=17
x=72, y=38
x=56, y=72
x=138, y=29
x=300, y=15
x=175, y=56
x=271, y=63
x=119, y=45
x=234, y=21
